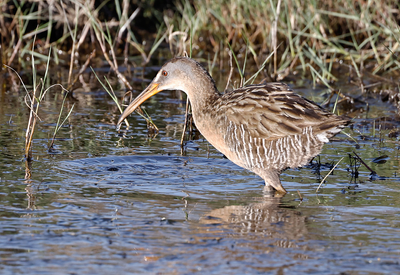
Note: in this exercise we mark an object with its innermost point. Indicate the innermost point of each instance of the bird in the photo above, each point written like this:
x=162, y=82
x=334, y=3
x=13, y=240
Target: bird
x=264, y=128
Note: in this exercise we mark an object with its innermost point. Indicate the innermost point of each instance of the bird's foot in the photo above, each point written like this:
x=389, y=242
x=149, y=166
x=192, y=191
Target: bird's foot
x=270, y=192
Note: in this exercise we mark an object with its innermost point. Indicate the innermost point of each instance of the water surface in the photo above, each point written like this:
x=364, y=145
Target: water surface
x=101, y=202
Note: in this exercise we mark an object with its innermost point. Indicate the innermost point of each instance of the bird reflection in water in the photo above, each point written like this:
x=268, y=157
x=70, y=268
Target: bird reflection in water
x=269, y=218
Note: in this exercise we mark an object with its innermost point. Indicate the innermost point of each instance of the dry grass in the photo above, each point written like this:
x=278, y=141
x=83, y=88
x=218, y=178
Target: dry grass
x=308, y=35
x=279, y=36
x=314, y=34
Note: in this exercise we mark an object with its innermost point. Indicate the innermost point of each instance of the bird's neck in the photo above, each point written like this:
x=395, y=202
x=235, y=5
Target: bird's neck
x=204, y=111
x=202, y=98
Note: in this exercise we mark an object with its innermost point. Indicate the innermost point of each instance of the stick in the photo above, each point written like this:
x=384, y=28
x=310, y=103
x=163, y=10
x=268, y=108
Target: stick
x=328, y=174
x=186, y=121
x=366, y=166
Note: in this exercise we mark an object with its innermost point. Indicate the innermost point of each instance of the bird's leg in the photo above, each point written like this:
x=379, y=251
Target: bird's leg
x=271, y=178
x=270, y=192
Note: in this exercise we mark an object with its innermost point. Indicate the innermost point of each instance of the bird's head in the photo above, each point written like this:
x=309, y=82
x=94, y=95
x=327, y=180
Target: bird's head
x=180, y=73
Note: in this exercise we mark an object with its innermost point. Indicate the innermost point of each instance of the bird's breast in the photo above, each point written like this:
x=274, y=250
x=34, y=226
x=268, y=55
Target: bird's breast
x=217, y=131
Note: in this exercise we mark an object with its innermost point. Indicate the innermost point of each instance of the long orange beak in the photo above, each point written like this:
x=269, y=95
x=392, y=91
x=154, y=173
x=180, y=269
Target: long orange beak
x=151, y=90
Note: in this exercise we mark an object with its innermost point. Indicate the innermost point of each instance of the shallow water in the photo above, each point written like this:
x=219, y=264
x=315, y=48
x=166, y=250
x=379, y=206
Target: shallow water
x=102, y=203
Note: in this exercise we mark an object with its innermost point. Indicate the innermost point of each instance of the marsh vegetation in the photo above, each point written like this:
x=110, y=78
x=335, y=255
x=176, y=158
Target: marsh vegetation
x=76, y=195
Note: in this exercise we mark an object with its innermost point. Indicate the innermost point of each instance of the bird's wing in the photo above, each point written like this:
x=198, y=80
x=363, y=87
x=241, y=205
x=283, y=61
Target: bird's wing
x=272, y=111
x=267, y=127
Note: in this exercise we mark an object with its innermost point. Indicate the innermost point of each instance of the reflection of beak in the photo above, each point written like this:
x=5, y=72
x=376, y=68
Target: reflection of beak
x=151, y=90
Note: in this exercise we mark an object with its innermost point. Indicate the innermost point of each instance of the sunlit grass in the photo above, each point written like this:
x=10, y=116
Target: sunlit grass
x=312, y=34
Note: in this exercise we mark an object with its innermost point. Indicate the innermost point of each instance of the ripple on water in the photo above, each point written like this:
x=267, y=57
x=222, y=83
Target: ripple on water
x=157, y=212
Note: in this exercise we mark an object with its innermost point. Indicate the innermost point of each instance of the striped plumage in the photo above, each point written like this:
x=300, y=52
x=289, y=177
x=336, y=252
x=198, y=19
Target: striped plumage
x=266, y=218
x=264, y=128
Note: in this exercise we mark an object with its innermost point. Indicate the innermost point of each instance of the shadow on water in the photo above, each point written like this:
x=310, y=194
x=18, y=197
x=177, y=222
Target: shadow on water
x=103, y=204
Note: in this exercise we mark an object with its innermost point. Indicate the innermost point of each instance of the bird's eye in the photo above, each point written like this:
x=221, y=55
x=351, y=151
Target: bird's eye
x=164, y=73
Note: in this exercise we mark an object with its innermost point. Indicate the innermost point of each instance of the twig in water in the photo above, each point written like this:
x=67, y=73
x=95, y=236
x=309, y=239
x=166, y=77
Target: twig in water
x=329, y=174
x=186, y=121
x=300, y=196
x=366, y=166
x=354, y=166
